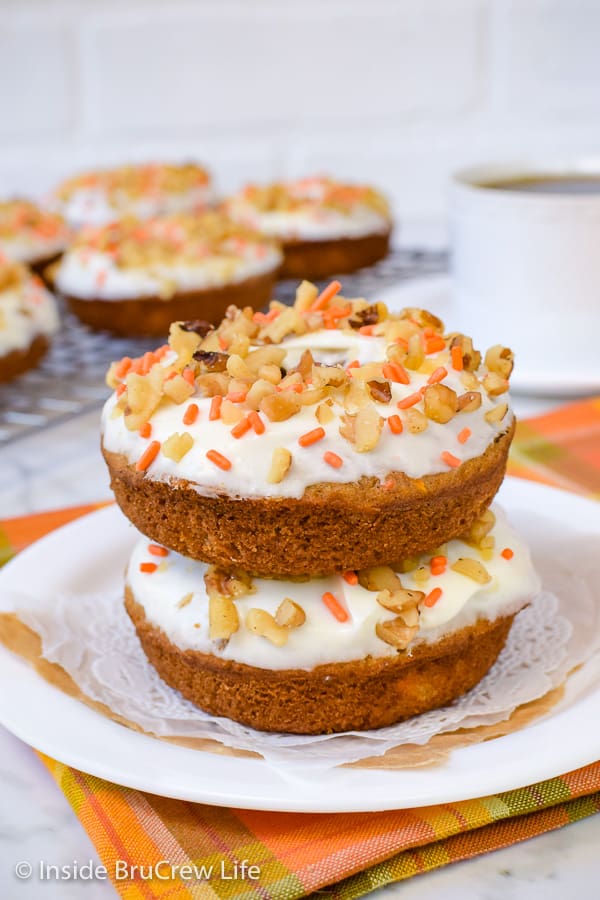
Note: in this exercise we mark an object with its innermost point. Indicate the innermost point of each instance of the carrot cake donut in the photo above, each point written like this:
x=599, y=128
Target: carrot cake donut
x=357, y=651
x=28, y=319
x=326, y=227
x=143, y=190
x=316, y=438
x=135, y=277
x=30, y=234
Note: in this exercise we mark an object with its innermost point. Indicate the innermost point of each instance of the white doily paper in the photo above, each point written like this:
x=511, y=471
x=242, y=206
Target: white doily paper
x=92, y=638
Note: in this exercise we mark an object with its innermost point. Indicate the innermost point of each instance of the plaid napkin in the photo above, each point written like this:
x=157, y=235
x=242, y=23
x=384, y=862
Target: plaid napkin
x=340, y=856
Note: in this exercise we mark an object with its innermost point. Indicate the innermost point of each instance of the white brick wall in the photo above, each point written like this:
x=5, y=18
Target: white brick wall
x=396, y=91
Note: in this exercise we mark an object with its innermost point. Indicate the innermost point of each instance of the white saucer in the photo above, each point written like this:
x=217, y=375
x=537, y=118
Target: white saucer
x=91, y=553
x=556, y=377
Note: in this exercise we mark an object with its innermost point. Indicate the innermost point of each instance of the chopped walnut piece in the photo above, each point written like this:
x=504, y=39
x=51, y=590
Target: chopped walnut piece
x=470, y=381
x=280, y=406
x=237, y=368
x=324, y=413
x=143, y=396
x=472, y=569
x=380, y=391
x=270, y=373
x=367, y=316
x=416, y=421
x=363, y=429
x=379, y=578
x=213, y=384
x=231, y=413
x=500, y=360
x=222, y=616
x=265, y=356
x=325, y=376
x=289, y=321
x=290, y=614
x=183, y=342
x=469, y=401
x=471, y=357
x=400, y=600
x=210, y=360
x=198, y=326
x=176, y=446
x=415, y=353
x=494, y=384
x=264, y=625
x=440, y=403
x=259, y=390
x=395, y=632
x=178, y=389
x=355, y=398
x=280, y=465
x=497, y=413
x=228, y=584
x=305, y=365
x=306, y=294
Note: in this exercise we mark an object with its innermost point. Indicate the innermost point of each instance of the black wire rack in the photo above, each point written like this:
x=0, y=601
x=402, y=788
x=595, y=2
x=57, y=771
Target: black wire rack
x=70, y=380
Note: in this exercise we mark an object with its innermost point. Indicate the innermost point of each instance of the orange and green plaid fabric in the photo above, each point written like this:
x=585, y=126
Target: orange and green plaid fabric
x=339, y=856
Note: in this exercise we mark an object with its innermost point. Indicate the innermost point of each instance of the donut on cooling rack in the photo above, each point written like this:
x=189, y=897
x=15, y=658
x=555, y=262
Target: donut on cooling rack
x=31, y=235
x=316, y=438
x=326, y=227
x=135, y=277
x=358, y=651
x=143, y=190
x=28, y=319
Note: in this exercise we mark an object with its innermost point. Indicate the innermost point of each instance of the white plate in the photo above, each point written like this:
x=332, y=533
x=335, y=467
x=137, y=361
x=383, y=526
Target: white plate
x=91, y=553
x=556, y=377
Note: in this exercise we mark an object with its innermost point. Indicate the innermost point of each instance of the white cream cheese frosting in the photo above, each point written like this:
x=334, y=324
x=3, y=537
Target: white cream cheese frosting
x=144, y=191
x=29, y=234
x=115, y=263
x=311, y=209
x=415, y=454
x=27, y=309
x=174, y=599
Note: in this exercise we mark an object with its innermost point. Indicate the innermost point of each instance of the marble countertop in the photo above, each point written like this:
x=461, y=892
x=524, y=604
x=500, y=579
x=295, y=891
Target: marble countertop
x=37, y=824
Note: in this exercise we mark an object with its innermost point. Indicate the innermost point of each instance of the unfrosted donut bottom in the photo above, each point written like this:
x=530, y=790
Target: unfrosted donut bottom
x=16, y=362
x=320, y=259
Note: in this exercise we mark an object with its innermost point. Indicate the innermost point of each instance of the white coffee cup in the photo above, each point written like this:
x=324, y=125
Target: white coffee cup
x=526, y=265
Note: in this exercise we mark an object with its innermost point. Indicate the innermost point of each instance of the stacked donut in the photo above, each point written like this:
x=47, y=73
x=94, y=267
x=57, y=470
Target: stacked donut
x=313, y=485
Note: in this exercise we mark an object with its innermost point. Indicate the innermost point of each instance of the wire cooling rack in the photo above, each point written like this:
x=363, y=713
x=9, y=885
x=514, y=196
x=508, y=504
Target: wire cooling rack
x=70, y=380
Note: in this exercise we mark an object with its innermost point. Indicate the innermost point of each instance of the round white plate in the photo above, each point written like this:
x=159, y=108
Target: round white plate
x=91, y=553
x=556, y=377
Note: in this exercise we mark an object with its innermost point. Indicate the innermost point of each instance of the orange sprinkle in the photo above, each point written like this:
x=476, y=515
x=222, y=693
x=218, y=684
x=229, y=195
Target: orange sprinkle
x=457, y=359
x=148, y=456
x=332, y=459
x=241, y=428
x=402, y=341
x=256, y=422
x=311, y=437
x=157, y=550
x=188, y=375
x=223, y=342
x=123, y=367
x=395, y=424
x=350, y=577
x=438, y=565
x=148, y=568
x=335, y=607
x=367, y=330
x=265, y=318
x=450, y=459
x=191, y=414
x=438, y=375
x=432, y=597
x=325, y=296
x=388, y=485
x=463, y=436
x=507, y=553
x=395, y=372
x=409, y=401
x=146, y=430
x=215, y=408
x=161, y=351
x=353, y=365
x=219, y=460
x=237, y=396
x=434, y=344
x=121, y=388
